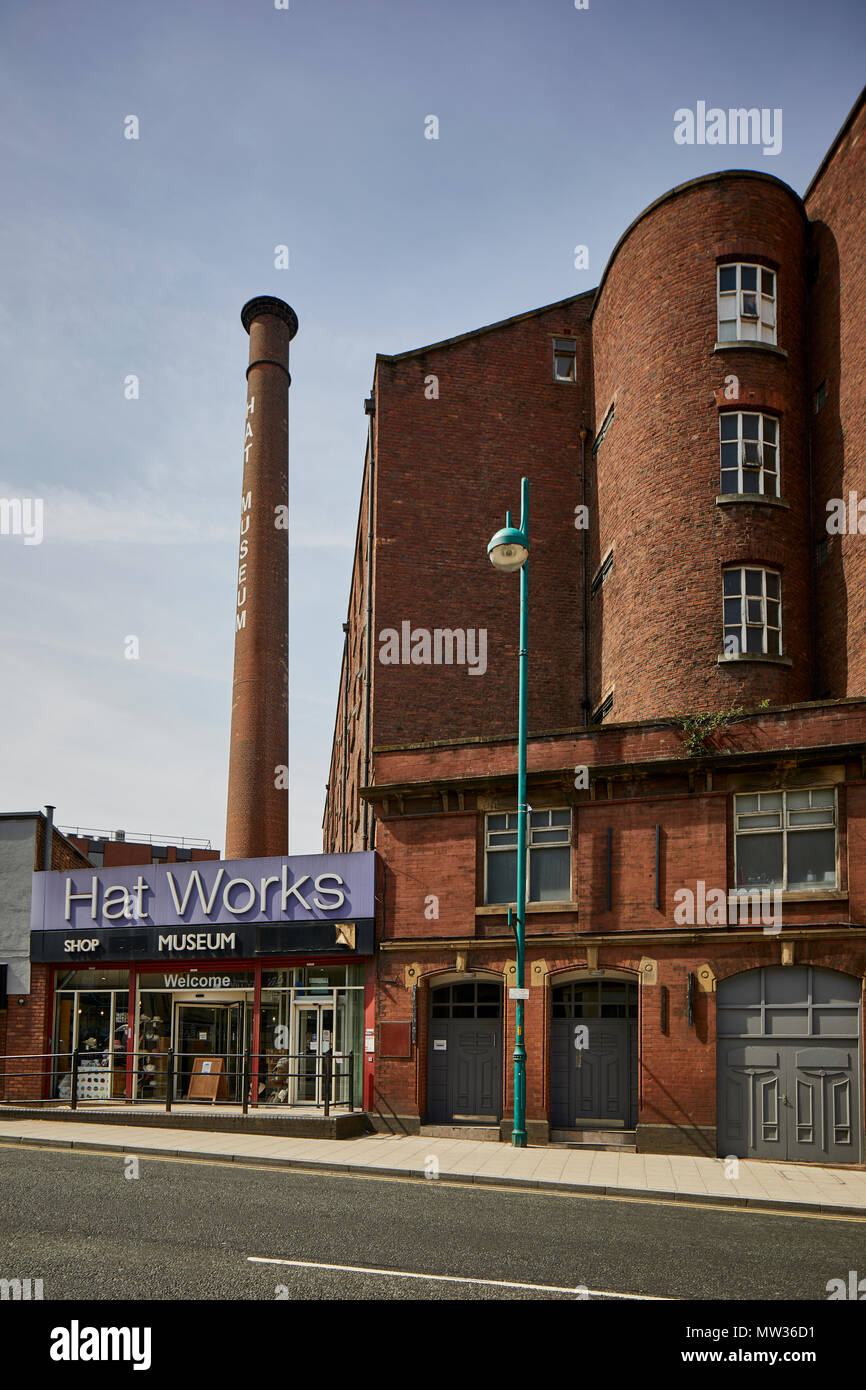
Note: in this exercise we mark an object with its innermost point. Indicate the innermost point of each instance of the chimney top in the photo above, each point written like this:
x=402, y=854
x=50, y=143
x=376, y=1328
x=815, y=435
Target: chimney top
x=268, y=304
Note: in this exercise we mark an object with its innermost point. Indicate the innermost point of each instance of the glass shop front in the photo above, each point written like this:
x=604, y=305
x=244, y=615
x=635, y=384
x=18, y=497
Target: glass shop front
x=206, y=1031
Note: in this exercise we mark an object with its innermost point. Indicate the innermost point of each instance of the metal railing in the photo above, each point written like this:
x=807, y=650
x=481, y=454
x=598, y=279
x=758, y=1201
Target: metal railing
x=74, y=1077
x=134, y=837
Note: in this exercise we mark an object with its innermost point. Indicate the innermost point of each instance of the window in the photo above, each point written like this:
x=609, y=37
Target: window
x=470, y=1000
x=605, y=426
x=595, y=999
x=752, y=612
x=548, y=849
x=747, y=304
x=821, y=550
x=786, y=839
x=603, y=710
x=749, y=447
x=602, y=573
x=820, y=397
x=91, y=1014
x=565, y=359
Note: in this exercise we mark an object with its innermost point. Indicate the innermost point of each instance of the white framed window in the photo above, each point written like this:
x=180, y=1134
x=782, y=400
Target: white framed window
x=752, y=604
x=746, y=303
x=565, y=359
x=786, y=839
x=749, y=448
x=548, y=849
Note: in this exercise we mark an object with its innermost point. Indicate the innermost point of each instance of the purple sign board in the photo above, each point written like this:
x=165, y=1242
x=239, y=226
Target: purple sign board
x=210, y=892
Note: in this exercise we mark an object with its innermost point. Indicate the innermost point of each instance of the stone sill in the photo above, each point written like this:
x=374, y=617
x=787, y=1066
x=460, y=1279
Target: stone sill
x=743, y=344
x=768, y=658
x=725, y=499
x=501, y=909
x=794, y=895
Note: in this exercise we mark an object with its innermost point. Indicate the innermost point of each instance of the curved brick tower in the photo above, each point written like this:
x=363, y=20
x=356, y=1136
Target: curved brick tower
x=656, y=488
x=257, y=818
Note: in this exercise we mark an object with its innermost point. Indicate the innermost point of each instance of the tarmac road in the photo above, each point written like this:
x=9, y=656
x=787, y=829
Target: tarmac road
x=185, y=1230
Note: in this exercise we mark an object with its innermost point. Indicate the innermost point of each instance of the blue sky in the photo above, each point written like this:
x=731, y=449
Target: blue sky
x=303, y=127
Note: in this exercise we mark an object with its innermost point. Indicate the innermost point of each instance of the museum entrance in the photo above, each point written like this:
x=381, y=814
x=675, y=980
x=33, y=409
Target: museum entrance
x=209, y=1032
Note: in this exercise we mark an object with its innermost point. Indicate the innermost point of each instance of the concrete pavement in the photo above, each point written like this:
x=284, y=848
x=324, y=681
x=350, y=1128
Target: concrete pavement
x=837, y=1191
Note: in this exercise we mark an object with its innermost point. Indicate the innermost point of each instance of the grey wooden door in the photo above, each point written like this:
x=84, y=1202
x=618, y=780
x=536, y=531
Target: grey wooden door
x=789, y=1069
x=464, y=1060
x=595, y=1084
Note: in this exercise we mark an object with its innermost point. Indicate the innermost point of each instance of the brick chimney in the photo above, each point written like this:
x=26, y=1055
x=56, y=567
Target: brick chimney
x=257, y=820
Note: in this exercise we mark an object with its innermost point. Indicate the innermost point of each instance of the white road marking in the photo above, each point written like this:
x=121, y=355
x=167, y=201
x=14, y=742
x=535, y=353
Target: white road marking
x=455, y=1279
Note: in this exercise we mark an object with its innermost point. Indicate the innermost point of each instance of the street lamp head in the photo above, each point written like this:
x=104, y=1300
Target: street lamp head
x=509, y=550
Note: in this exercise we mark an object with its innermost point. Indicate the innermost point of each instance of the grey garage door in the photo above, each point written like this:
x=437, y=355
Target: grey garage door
x=596, y=1084
x=789, y=1068
x=464, y=1067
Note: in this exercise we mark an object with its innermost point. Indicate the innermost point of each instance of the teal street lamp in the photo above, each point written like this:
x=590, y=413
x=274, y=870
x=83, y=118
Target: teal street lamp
x=509, y=552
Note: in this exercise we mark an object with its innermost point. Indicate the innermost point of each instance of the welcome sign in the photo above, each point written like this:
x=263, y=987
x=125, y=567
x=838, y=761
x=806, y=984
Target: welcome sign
x=207, y=893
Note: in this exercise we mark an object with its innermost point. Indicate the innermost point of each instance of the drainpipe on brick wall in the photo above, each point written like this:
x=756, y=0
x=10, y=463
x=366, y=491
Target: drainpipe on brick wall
x=49, y=837
x=584, y=531
x=370, y=408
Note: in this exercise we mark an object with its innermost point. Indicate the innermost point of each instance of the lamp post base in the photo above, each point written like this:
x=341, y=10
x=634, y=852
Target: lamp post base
x=518, y=1134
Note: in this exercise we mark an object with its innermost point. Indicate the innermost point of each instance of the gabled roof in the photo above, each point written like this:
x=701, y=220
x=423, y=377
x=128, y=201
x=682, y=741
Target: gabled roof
x=848, y=122
x=488, y=328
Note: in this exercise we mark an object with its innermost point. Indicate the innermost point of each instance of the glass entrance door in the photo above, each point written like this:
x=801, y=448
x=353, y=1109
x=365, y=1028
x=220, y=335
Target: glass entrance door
x=209, y=1030
x=314, y=1037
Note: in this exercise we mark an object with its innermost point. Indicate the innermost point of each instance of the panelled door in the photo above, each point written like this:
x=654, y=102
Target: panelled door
x=314, y=1038
x=593, y=1055
x=464, y=1071
x=789, y=1068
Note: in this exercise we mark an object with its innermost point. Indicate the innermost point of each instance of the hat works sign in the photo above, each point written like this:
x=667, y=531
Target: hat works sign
x=212, y=893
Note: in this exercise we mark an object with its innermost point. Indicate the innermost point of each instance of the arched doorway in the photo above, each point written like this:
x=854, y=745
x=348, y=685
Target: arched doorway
x=789, y=1068
x=593, y=1055
x=464, y=1059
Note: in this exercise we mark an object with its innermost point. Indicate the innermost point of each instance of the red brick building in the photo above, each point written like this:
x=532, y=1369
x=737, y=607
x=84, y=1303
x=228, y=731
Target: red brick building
x=696, y=702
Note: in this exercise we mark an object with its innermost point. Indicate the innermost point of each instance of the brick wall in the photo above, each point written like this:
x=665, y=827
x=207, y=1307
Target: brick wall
x=27, y=1035
x=430, y=872
x=837, y=317
x=343, y=826
x=603, y=747
x=447, y=471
